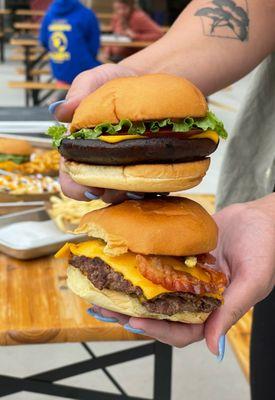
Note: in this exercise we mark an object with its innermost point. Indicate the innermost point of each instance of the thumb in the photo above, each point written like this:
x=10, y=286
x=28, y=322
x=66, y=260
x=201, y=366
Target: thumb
x=86, y=83
x=239, y=297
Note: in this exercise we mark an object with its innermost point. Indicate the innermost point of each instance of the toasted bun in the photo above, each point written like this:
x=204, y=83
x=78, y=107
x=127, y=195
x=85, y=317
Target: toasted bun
x=121, y=302
x=155, y=96
x=173, y=226
x=15, y=146
x=140, y=178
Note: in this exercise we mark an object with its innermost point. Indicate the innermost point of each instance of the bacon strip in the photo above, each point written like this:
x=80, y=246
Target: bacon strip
x=159, y=272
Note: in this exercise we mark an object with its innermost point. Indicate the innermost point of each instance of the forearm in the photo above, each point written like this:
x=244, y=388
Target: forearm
x=211, y=60
x=265, y=205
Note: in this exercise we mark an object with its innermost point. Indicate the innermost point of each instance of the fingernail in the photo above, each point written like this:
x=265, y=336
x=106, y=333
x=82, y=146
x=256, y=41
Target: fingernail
x=133, y=330
x=53, y=106
x=134, y=196
x=91, y=196
x=101, y=317
x=221, y=348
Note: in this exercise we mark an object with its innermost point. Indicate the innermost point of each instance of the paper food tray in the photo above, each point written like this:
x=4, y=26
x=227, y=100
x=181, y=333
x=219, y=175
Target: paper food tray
x=31, y=234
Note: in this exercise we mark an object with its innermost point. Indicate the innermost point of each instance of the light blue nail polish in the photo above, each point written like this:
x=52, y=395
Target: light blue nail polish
x=100, y=317
x=133, y=330
x=221, y=348
x=91, y=196
x=134, y=196
x=53, y=106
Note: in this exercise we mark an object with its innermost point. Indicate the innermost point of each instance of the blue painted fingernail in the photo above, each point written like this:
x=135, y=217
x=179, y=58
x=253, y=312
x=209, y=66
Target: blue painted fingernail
x=133, y=330
x=100, y=317
x=53, y=106
x=134, y=196
x=91, y=196
x=221, y=348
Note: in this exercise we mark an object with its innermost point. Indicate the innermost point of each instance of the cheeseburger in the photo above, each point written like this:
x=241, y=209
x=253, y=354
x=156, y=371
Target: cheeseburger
x=151, y=133
x=13, y=151
x=148, y=259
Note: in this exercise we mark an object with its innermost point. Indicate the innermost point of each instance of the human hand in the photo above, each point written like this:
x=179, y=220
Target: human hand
x=84, y=84
x=246, y=253
x=131, y=34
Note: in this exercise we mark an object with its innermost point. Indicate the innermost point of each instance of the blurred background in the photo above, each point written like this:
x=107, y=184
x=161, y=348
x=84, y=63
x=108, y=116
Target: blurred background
x=43, y=45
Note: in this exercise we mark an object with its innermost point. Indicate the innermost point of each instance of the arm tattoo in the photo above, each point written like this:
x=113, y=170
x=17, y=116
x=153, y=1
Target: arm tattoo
x=225, y=19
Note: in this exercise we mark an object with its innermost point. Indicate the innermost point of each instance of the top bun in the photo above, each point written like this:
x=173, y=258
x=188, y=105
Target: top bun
x=15, y=146
x=138, y=98
x=173, y=226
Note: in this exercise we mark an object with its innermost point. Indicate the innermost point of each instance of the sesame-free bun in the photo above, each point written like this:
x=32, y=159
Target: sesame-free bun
x=141, y=177
x=121, y=302
x=174, y=226
x=139, y=98
x=15, y=147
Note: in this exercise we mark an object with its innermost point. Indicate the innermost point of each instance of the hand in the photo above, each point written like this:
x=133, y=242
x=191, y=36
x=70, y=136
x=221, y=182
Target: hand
x=131, y=34
x=84, y=84
x=246, y=253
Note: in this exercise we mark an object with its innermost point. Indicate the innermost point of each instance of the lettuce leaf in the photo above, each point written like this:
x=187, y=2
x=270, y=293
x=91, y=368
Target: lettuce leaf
x=57, y=133
x=17, y=159
x=210, y=121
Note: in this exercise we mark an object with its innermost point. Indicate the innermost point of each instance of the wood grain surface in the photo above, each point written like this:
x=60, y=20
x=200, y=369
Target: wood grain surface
x=35, y=42
x=37, y=307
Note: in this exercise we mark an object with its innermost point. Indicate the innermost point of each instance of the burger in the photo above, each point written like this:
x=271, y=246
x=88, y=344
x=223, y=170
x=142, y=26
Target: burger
x=150, y=133
x=148, y=259
x=14, y=151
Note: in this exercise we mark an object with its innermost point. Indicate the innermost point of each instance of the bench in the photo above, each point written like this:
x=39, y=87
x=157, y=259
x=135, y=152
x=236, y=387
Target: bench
x=30, y=13
x=31, y=26
x=34, y=72
x=34, y=88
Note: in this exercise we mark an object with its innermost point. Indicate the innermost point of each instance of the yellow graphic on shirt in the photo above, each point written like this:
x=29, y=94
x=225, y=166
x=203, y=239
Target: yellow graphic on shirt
x=60, y=26
x=58, y=47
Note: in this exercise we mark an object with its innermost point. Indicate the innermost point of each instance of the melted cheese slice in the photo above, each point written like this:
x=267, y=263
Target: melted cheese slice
x=207, y=135
x=120, y=138
x=126, y=265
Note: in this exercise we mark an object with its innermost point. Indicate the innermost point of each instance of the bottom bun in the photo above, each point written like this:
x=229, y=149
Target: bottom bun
x=121, y=302
x=140, y=178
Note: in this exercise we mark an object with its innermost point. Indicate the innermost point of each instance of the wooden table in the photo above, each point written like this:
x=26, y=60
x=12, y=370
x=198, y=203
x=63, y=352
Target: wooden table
x=133, y=44
x=29, y=63
x=3, y=13
x=37, y=307
x=34, y=42
x=30, y=13
x=27, y=26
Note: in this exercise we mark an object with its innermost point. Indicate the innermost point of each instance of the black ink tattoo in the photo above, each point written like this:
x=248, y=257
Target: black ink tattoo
x=227, y=19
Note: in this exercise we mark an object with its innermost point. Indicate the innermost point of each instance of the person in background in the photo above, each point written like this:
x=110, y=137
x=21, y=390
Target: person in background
x=70, y=32
x=157, y=9
x=130, y=21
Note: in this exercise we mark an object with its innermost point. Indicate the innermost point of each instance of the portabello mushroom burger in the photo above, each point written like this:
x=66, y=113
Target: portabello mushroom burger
x=149, y=259
x=150, y=133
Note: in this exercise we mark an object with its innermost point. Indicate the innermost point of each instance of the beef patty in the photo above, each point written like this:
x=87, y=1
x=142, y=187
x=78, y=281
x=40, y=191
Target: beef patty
x=103, y=276
x=136, y=151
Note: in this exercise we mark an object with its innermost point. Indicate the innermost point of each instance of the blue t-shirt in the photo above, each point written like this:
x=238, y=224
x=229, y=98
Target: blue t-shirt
x=70, y=32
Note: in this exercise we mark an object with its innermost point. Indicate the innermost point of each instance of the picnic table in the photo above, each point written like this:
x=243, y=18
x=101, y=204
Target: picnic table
x=3, y=13
x=37, y=307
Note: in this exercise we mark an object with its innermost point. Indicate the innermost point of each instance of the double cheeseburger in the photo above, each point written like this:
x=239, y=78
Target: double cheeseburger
x=13, y=151
x=148, y=259
x=151, y=133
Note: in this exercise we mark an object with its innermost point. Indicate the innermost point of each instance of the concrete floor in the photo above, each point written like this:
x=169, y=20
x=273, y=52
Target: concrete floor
x=196, y=372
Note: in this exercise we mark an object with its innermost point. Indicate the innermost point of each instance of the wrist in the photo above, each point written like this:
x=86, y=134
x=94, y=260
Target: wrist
x=266, y=205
